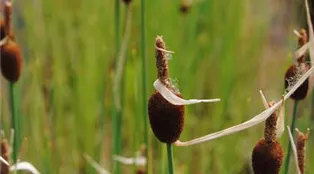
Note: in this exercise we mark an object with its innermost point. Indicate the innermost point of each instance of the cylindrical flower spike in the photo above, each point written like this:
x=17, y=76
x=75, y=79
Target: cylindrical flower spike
x=268, y=153
x=301, y=139
x=166, y=119
x=166, y=105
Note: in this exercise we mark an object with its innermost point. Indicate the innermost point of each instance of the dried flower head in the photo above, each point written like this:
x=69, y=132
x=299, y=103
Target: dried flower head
x=301, y=139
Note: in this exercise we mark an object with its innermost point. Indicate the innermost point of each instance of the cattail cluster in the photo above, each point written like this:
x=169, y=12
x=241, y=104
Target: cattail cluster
x=5, y=155
x=11, y=56
x=166, y=119
x=297, y=70
x=301, y=139
x=268, y=153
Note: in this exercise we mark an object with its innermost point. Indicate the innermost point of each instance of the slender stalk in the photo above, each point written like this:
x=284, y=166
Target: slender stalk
x=114, y=111
x=144, y=84
x=170, y=158
x=14, y=123
x=294, y=116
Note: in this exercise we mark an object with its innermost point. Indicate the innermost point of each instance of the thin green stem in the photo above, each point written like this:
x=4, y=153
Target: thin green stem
x=115, y=113
x=294, y=116
x=14, y=122
x=144, y=83
x=170, y=158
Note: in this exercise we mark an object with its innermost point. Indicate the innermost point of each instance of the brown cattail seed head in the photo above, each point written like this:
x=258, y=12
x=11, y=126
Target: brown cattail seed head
x=267, y=157
x=5, y=155
x=292, y=75
x=11, y=61
x=301, y=139
x=166, y=119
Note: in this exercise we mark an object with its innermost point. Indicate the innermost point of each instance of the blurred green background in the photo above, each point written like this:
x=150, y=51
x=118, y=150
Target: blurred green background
x=228, y=49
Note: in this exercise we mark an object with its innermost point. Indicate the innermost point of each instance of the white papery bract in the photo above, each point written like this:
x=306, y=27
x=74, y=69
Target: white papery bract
x=175, y=100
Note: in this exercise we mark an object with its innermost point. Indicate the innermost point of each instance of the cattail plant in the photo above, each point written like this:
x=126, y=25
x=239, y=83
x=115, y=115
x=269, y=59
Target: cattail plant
x=268, y=153
x=299, y=149
x=300, y=67
x=301, y=140
x=11, y=57
x=11, y=66
x=166, y=106
x=6, y=168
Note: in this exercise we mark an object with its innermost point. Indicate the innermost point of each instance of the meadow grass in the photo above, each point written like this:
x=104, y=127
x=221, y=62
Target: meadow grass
x=64, y=97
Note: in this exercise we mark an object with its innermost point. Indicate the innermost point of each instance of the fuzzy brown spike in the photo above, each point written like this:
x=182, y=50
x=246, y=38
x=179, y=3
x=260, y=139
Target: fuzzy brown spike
x=7, y=17
x=270, y=126
x=5, y=152
x=301, y=139
x=2, y=29
x=161, y=61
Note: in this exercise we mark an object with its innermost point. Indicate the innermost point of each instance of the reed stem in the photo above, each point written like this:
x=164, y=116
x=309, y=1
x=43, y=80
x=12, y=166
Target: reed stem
x=14, y=123
x=170, y=158
x=294, y=116
x=144, y=84
x=115, y=113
